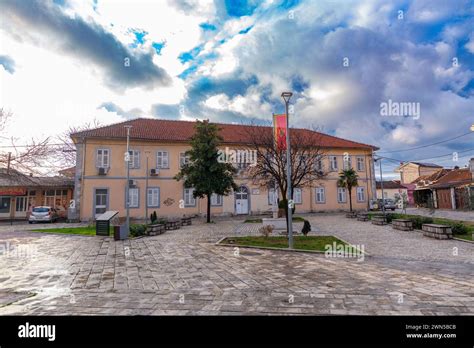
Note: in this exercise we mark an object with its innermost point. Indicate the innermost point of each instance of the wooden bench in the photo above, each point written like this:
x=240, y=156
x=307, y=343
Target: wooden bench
x=402, y=224
x=173, y=224
x=362, y=217
x=379, y=220
x=437, y=231
x=351, y=215
x=153, y=230
x=186, y=221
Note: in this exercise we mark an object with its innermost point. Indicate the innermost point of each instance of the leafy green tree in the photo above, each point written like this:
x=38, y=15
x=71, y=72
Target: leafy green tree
x=204, y=172
x=348, y=180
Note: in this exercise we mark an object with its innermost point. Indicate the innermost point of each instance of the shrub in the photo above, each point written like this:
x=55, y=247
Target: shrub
x=283, y=202
x=137, y=230
x=418, y=221
x=306, y=227
x=266, y=230
x=459, y=228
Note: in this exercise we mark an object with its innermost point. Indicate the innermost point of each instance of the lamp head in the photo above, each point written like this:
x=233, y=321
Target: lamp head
x=286, y=96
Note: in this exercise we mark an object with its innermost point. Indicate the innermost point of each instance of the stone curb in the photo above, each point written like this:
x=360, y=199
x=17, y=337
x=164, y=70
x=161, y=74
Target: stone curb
x=464, y=240
x=218, y=243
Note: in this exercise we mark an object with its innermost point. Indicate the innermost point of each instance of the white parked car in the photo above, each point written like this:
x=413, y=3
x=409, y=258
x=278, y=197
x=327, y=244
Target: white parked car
x=43, y=214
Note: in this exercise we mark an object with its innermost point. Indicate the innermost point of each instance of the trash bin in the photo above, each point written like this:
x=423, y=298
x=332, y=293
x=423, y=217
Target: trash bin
x=120, y=232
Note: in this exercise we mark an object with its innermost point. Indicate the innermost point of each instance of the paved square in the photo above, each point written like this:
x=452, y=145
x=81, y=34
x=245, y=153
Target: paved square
x=183, y=272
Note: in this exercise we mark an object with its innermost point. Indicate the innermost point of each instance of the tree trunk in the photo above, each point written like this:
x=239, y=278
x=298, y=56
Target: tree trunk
x=283, y=194
x=350, y=200
x=208, y=208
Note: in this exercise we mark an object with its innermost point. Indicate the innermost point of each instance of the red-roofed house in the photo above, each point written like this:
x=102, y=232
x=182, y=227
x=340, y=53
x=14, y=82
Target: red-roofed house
x=455, y=190
x=100, y=178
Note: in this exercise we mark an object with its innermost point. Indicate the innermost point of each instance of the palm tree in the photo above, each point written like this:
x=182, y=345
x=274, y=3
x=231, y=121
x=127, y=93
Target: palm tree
x=348, y=180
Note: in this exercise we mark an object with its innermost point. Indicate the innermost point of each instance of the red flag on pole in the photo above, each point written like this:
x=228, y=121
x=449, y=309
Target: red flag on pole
x=279, y=131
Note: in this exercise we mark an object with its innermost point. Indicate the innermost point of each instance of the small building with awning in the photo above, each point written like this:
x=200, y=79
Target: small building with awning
x=20, y=193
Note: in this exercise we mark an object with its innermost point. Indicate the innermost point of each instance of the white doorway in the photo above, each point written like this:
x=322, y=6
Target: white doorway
x=21, y=206
x=101, y=201
x=242, y=201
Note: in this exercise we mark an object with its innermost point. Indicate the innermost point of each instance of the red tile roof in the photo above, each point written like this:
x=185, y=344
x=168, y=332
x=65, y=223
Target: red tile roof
x=456, y=177
x=425, y=180
x=390, y=184
x=182, y=131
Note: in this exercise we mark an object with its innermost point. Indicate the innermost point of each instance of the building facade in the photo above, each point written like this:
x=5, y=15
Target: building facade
x=411, y=171
x=157, y=150
x=20, y=193
x=392, y=189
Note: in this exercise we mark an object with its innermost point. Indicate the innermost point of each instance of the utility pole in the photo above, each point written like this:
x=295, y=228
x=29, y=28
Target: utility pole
x=127, y=188
x=381, y=185
x=286, y=97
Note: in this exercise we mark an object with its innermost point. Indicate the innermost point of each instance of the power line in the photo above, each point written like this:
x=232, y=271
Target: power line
x=427, y=145
x=424, y=159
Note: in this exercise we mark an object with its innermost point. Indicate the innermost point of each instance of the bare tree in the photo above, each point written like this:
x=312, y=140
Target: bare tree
x=22, y=157
x=4, y=117
x=66, y=150
x=270, y=167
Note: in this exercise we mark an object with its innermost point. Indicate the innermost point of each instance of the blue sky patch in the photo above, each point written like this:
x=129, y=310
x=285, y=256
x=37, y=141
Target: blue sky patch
x=158, y=46
x=240, y=8
x=208, y=26
x=190, y=55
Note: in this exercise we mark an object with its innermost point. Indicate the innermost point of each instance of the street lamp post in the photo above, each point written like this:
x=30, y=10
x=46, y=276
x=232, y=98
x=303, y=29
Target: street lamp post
x=286, y=97
x=381, y=186
x=146, y=189
x=127, y=188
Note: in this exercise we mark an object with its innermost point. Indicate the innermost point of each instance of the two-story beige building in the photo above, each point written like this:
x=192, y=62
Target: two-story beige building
x=158, y=150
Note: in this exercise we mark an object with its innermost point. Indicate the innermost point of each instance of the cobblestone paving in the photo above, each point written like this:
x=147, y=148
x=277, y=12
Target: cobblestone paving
x=183, y=272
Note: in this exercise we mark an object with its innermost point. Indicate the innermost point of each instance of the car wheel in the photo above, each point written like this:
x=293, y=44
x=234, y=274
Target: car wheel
x=30, y=222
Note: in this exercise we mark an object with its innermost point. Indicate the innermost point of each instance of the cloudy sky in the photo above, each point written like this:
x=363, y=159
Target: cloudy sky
x=65, y=63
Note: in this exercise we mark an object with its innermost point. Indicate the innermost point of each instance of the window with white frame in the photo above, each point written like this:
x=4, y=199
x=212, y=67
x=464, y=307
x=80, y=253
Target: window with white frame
x=216, y=199
x=189, y=199
x=183, y=159
x=162, y=159
x=360, y=194
x=153, y=197
x=320, y=195
x=341, y=194
x=134, y=159
x=272, y=198
x=360, y=164
x=347, y=162
x=133, y=197
x=103, y=158
x=319, y=164
x=303, y=161
x=297, y=195
x=333, y=162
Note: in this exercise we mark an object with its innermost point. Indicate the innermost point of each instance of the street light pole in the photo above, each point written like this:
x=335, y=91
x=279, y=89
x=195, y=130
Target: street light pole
x=127, y=188
x=146, y=189
x=286, y=97
x=381, y=186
